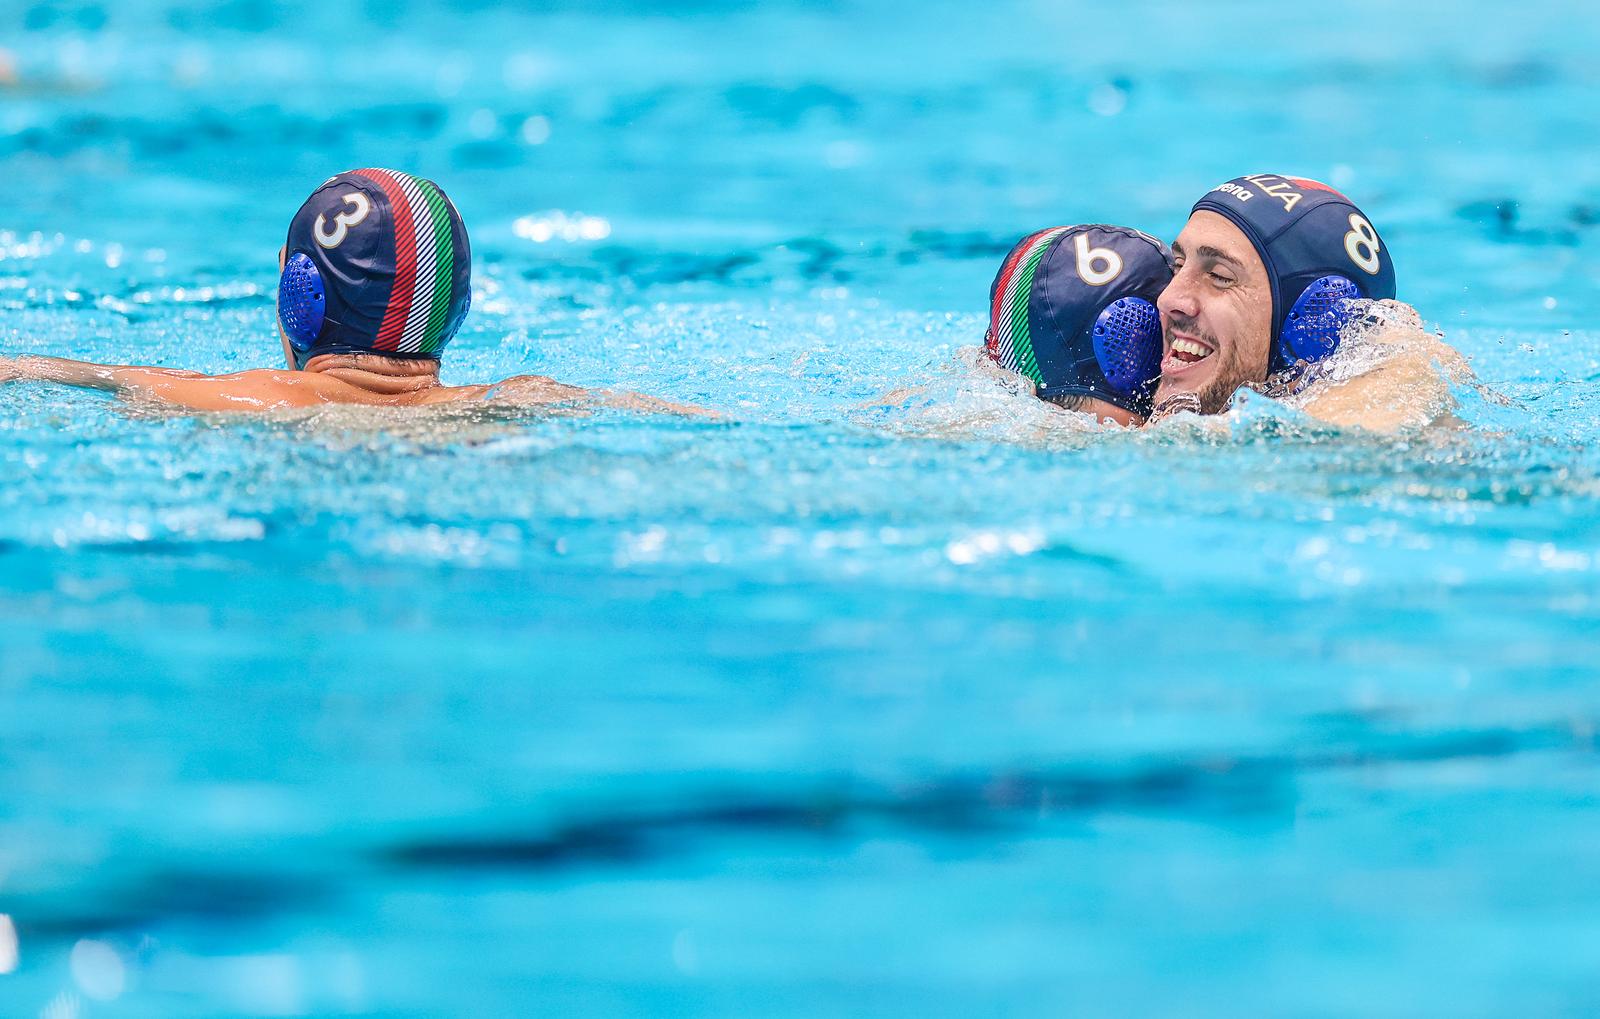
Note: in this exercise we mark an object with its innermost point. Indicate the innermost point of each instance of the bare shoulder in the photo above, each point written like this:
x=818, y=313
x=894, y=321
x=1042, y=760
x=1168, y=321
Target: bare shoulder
x=259, y=389
x=279, y=387
x=267, y=377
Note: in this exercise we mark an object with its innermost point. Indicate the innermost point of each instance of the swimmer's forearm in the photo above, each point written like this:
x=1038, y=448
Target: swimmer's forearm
x=624, y=400
x=173, y=387
x=109, y=377
x=1410, y=390
x=893, y=398
x=539, y=389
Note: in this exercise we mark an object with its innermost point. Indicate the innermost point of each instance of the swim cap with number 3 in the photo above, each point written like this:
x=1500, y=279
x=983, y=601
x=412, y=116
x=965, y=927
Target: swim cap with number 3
x=377, y=261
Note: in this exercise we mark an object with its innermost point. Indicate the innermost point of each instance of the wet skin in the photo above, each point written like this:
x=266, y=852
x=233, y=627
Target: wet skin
x=1218, y=310
x=1110, y=414
x=363, y=379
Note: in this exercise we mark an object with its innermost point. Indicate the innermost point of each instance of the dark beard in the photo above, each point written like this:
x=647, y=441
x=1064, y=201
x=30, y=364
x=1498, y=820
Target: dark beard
x=1231, y=374
x=1218, y=396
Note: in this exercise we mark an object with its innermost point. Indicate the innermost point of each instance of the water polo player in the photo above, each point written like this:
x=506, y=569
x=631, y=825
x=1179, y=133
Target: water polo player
x=1267, y=273
x=375, y=281
x=1073, y=309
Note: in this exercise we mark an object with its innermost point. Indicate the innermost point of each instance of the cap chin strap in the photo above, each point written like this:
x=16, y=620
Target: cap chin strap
x=1311, y=331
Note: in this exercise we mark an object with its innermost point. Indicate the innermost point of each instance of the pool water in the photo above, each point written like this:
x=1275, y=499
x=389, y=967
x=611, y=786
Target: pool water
x=940, y=708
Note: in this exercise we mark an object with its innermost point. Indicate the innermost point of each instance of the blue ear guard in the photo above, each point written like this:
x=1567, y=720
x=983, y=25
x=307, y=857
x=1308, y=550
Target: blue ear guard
x=302, y=302
x=1127, y=343
x=1311, y=332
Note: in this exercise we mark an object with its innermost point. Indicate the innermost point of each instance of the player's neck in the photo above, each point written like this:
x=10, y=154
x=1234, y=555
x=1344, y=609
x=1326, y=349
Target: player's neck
x=377, y=374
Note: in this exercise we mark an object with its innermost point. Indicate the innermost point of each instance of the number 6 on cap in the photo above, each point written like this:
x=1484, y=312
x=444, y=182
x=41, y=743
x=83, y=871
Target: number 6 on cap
x=1087, y=257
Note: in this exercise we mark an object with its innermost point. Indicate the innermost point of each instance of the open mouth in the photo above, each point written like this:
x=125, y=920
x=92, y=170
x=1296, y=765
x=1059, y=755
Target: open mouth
x=1185, y=352
x=1190, y=351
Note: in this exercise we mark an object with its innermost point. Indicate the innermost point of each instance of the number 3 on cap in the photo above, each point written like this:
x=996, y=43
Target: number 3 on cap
x=1109, y=261
x=360, y=206
x=1361, y=244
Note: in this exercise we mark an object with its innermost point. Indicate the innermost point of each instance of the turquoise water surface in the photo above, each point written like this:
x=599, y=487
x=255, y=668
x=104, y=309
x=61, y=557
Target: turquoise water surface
x=946, y=708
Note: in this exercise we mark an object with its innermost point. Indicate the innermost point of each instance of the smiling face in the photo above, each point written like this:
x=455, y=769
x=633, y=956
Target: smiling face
x=1216, y=314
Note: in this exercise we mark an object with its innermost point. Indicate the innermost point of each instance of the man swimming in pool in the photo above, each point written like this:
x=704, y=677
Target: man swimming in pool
x=1073, y=309
x=1264, y=275
x=375, y=280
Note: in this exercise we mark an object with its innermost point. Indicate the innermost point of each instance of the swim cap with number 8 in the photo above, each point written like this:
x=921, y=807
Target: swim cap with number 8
x=1319, y=251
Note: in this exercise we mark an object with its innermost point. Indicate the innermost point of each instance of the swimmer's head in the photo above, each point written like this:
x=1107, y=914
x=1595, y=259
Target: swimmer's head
x=1265, y=270
x=376, y=262
x=1073, y=309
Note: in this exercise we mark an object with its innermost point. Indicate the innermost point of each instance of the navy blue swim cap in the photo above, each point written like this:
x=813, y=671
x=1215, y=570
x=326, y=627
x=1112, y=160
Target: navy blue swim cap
x=1319, y=251
x=377, y=261
x=1073, y=309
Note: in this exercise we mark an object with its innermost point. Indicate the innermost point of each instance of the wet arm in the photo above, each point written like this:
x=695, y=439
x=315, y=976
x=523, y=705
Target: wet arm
x=893, y=398
x=529, y=390
x=624, y=400
x=109, y=377
x=1408, y=391
x=254, y=390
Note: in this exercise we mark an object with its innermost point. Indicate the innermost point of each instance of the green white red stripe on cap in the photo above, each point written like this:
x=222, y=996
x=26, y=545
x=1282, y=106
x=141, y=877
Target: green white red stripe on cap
x=419, y=301
x=1008, y=318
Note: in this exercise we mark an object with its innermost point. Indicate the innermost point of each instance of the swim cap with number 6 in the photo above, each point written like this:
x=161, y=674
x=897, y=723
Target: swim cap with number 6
x=1073, y=309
